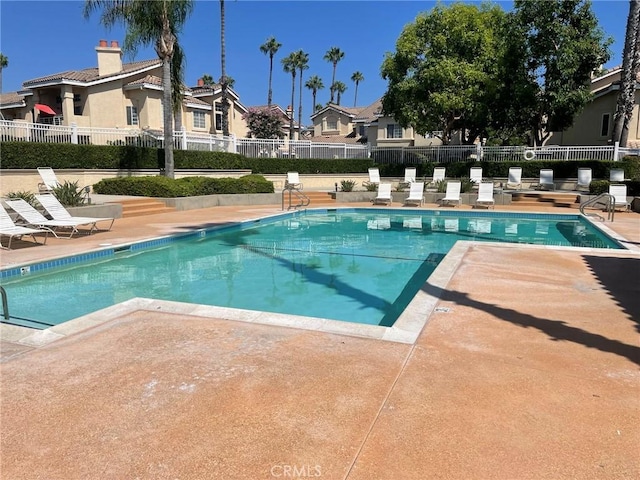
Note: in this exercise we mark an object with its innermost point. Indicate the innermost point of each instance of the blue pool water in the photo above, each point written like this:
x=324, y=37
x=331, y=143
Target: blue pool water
x=353, y=265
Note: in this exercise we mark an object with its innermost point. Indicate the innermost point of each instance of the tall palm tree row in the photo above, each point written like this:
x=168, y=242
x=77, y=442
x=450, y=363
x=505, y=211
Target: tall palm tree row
x=314, y=84
x=302, y=63
x=356, y=78
x=224, y=83
x=151, y=23
x=339, y=87
x=333, y=55
x=270, y=47
x=629, y=74
x=290, y=65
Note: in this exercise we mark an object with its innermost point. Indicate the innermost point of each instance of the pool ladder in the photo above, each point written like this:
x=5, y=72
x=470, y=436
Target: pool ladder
x=609, y=203
x=297, y=193
x=5, y=303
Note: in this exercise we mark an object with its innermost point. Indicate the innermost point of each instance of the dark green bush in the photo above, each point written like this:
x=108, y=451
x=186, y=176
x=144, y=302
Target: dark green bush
x=347, y=185
x=28, y=197
x=69, y=194
x=596, y=187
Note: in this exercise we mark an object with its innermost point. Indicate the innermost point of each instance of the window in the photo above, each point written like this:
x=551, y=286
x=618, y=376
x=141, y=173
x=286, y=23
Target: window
x=132, y=116
x=218, y=116
x=604, y=128
x=331, y=123
x=361, y=130
x=198, y=120
x=394, y=131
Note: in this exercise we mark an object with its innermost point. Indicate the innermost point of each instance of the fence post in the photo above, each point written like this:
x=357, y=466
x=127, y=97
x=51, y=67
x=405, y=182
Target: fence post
x=183, y=138
x=234, y=143
x=74, y=133
x=616, y=151
x=479, y=150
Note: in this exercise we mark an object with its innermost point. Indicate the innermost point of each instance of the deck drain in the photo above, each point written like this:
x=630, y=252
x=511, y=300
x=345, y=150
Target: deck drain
x=442, y=309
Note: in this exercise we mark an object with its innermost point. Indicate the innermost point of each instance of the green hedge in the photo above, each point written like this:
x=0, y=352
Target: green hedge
x=159, y=186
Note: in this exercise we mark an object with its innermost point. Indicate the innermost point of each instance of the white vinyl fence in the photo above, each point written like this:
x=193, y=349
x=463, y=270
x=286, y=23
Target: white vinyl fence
x=266, y=148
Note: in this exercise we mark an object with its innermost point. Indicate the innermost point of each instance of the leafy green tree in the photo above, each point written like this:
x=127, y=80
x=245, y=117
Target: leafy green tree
x=442, y=76
x=270, y=47
x=4, y=63
x=314, y=84
x=356, y=78
x=302, y=63
x=158, y=23
x=333, y=55
x=290, y=65
x=564, y=46
x=630, y=70
x=339, y=87
x=263, y=122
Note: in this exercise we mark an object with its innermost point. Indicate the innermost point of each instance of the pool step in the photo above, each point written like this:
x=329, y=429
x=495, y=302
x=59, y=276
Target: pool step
x=532, y=199
x=320, y=198
x=144, y=206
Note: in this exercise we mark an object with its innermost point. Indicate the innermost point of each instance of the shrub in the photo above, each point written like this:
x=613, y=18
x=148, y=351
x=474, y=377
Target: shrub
x=347, y=185
x=596, y=187
x=69, y=194
x=28, y=197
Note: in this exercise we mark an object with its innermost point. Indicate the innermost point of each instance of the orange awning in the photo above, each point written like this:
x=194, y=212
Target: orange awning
x=45, y=109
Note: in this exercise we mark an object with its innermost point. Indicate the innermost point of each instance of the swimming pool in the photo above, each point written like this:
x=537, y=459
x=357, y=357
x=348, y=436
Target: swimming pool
x=355, y=265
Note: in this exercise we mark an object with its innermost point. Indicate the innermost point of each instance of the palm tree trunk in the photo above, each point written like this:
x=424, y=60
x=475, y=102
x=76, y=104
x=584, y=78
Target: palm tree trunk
x=300, y=108
x=225, y=101
x=355, y=98
x=270, y=96
x=167, y=115
x=293, y=96
x=314, y=101
x=630, y=66
x=333, y=80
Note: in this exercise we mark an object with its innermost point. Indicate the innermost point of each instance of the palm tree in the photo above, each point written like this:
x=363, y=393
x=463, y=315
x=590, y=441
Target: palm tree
x=314, y=84
x=207, y=79
x=333, y=55
x=630, y=70
x=223, y=79
x=340, y=88
x=290, y=65
x=302, y=63
x=4, y=63
x=357, y=77
x=270, y=47
x=148, y=23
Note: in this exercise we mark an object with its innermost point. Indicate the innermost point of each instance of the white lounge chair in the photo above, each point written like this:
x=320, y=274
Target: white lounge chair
x=619, y=193
x=409, y=177
x=616, y=175
x=374, y=177
x=57, y=211
x=49, y=180
x=452, y=195
x=8, y=228
x=438, y=175
x=546, y=179
x=584, y=178
x=293, y=181
x=36, y=220
x=384, y=194
x=485, y=195
x=416, y=194
x=515, y=178
x=475, y=175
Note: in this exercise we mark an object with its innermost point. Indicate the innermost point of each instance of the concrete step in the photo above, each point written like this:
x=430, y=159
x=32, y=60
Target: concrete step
x=146, y=206
x=566, y=200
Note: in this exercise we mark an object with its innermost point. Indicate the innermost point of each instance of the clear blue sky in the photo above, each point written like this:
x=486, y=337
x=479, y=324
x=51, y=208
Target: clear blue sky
x=44, y=37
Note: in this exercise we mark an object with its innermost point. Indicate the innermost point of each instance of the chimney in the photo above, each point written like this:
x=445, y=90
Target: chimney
x=200, y=82
x=109, y=58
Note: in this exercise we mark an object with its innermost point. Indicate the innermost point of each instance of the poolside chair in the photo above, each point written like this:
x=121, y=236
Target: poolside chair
x=485, y=195
x=546, y=179
x=475, y=175
x=619, y=193
x=452, y=195
x=57, y=212
x=409, y=178
x=8, y=228
x=374, y=177
x=584, y=178
x=616, y=175
x=35, y=219
x=293, y=181
x=49, y=180
x=515, y=178
x=384, y=194
x=438, y=175
x=416, y=194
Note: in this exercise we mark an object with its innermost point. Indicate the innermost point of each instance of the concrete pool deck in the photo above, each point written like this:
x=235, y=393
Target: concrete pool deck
x=527, y=368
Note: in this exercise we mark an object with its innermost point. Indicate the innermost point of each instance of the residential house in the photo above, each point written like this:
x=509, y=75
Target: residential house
x=594, y=125
x=335, y=123
x=117, y=95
